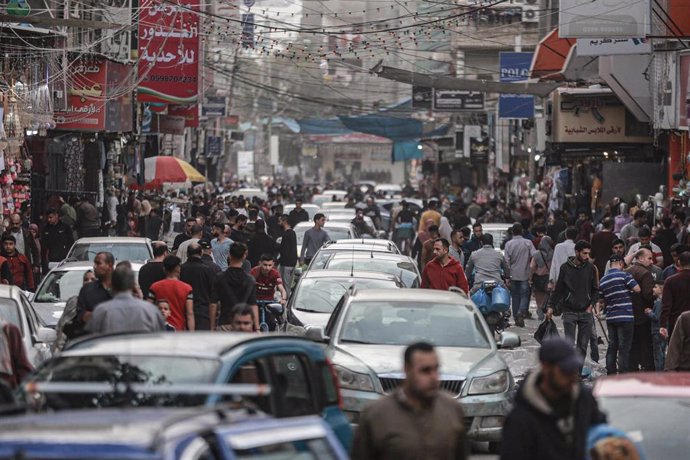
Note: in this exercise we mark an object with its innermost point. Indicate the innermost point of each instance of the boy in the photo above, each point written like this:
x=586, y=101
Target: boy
x=164, y=307
x=658, y=342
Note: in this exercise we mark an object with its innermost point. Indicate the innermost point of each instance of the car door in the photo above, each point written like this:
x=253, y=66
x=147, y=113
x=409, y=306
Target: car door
x=37, y=352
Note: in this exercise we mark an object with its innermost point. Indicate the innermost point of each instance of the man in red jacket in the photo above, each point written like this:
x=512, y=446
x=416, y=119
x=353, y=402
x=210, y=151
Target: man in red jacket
x=20, y=267
x=443, y=271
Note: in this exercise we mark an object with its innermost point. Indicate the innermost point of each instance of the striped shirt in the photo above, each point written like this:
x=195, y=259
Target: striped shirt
x=615, y=288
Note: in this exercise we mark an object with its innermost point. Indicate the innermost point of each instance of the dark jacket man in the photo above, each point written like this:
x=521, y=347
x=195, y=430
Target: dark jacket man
x=56, y=240
x=576, y=288
x=678, y=354
x=676, y=299
x=200, y=277
x=641, y=353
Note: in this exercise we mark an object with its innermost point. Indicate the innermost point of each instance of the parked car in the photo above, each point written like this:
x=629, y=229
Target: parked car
x=333, y=205
x=348, y=246
x=296, y=369
x=336, y=231
x=15, y=308
x=166, y=434
x=653, y=408
x=402, y=266
x=319, y=291
x=369, y=329
x=56, y=288
x=121, y=247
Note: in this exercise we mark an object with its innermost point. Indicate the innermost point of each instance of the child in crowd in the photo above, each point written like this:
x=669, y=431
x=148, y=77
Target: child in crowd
x=164, y=307
x=658, y=342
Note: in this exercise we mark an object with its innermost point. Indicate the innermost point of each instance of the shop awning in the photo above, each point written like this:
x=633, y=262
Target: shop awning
x=550, y=56
x=461, y=84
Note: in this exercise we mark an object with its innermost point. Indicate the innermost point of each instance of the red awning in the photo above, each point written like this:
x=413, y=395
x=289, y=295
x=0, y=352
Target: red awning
x=550, y=57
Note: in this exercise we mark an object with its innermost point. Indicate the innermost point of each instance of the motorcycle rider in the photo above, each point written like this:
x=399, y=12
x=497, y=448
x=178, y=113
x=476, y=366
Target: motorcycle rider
x=360, y=225
x=487, y=264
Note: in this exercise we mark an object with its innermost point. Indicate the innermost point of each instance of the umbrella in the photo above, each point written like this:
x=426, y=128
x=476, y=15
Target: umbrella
x=168, y=169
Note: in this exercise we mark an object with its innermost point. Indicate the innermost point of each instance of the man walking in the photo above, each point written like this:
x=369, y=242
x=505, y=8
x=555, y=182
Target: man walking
x=56, y=240
x=617, y=248
x=676, y=296
x=220, y=246
x=641, y=353
x=553, y=411
x=428, y=246
x=615, y=287
x=93, y=294
x=431, y=213
x=645, y=237
x=314, y=238
x=153, y=270
x=207, y=255
x=197, y=234
x=124, y=312
x=602, y=243
x=518, y=253
x=632, y=230
x=298, y=214
x=184, y=236
x=288, y=253
x=561, y=254
x=443, y=271
x=234, y=286
x=20, y=268
x=201, y=278
x=417, y=420
x=25, y=243
x=178, y=294
x=575, y=295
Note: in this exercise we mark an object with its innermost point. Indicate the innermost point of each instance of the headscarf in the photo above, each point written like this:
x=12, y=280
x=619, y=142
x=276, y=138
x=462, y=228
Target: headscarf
x=424, y=234
x=545, y=252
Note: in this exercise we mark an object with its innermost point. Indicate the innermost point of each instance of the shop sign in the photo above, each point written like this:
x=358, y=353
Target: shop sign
x=514, y=67
x=422, y=97
x=214, y=146
x=214, y=106
x=613, y=46
x=232, y=122
x=604, y=18
x=450, y=100
x=97, y=100
x=170, y=124
x=189, y=112
x=168, y=52
x=116, y=44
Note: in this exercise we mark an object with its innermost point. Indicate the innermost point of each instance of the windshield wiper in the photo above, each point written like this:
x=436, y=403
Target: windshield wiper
x=309, y=311
x=362, y=342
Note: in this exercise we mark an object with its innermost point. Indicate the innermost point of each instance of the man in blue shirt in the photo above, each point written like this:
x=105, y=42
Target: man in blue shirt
x=616, y=287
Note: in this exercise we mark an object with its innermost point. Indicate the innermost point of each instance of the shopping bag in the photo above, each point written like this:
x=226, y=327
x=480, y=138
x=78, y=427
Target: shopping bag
x=546, y=330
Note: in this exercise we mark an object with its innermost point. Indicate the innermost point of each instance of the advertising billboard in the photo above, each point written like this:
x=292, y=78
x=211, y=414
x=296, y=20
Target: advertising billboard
x=515, y=67
x=604, y=18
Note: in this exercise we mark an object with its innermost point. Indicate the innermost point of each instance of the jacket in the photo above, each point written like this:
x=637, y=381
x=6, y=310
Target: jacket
x=437, y=276
x=22, y=274
x=645, y=298
x=678, y=354
x=31, y=250
x=577, y=287
x=533, y=431
x=57, y=240
x=675, y=300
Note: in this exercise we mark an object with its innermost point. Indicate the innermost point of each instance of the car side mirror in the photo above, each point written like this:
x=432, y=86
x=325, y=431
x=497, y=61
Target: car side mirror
x=316, y=334
x=46, y=335
x=276, y=309
x=508, y=340
x=381, y=234
x=29, y=295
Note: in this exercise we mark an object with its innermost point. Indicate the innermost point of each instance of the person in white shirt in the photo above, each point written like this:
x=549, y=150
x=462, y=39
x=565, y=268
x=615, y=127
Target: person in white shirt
x=645, y=236
x=560, y=255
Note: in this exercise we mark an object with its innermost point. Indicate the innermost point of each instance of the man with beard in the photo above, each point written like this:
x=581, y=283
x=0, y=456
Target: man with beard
x=553, y=411
x=443, y=271
x=390, y=427
x=232, y=287
x=220, y=246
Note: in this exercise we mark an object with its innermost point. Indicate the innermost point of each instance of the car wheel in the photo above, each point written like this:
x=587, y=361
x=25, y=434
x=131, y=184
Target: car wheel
x=495, y=448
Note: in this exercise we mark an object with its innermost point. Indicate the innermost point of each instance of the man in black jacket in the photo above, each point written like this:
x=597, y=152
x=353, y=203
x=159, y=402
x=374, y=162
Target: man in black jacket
x=232, y=287
x=56, y=239
x=201, y=278
x=288, y=252
x=553, y=411
x=575, y=295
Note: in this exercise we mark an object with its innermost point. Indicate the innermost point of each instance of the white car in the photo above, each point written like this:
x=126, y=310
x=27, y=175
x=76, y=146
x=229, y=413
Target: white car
x=333, y=205
x=336, y=231
x=389, y=190
x=15, y=308
x=121, y=247
x=61, y=283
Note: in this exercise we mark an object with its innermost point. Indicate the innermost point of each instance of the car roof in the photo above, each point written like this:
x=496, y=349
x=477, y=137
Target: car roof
x=644, y=384
x=112, y=239
x=365, y=242
x=497, y=226
x=326, y=273
x=9, y=291
x=197, y=344
x=328, y=224
x=367, y=255
x=410, y=295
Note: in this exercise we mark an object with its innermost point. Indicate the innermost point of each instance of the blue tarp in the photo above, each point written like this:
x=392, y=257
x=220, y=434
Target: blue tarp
x=319, y=126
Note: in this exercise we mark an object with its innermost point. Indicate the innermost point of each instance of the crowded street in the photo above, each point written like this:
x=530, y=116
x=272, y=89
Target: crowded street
x=331, y=230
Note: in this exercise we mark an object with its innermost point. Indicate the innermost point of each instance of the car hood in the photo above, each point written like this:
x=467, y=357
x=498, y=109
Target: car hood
x=311, y=319
x=49, y=312
x=387, y=359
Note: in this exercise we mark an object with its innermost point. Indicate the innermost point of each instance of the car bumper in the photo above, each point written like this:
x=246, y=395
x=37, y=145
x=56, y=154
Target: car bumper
x=484, y=414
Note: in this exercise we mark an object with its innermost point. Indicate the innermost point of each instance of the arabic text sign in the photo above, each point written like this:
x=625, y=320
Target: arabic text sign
x=450, y=100
x=515, y=67
x=86, y=98
x=612, y=46
x=603, y=124
x=604, y=18
x=168, y=52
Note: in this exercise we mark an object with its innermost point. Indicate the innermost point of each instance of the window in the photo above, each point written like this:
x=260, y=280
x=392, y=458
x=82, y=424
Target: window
x=292, y=388
x=59, y=286
x=9, y=311
x=137, y=252
x=290, y=450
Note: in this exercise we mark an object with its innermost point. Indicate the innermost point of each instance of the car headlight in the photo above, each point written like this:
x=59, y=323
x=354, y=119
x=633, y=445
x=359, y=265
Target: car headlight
x=494, y=383
x=353, y=380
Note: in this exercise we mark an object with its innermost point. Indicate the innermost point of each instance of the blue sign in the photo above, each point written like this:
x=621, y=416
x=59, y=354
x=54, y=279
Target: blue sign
x=515, y=67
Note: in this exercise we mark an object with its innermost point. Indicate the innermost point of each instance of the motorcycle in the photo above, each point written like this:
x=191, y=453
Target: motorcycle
x=493, y=301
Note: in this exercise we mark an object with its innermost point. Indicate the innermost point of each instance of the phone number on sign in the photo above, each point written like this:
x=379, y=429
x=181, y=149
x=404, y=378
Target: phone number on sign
x=171, y=79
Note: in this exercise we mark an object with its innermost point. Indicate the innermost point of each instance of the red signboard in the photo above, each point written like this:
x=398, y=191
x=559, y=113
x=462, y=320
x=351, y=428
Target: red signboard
x=86, y=97
x=169, y=51
x=189, y=112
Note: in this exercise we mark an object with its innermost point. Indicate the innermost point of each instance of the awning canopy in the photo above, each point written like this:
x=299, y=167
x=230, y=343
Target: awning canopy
x=550, y=56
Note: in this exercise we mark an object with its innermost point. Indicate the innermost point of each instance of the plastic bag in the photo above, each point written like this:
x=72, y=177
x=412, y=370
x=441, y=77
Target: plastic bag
x=481, y=299
x=546, y=330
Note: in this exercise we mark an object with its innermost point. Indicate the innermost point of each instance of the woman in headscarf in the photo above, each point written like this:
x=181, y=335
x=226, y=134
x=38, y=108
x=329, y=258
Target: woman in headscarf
x=422, y=237
x=540, y=265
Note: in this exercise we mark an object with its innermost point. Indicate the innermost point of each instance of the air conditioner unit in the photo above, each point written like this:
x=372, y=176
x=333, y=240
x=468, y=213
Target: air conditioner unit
x=530, y=13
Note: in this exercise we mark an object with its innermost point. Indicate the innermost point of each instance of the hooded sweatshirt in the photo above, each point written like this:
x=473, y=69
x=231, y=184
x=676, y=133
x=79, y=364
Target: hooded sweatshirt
x=534, y=430
x=437, y=276
x=576, y=288
x=231, y=287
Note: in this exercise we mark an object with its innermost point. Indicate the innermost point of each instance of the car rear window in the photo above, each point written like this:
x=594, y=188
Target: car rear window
x=134, y=252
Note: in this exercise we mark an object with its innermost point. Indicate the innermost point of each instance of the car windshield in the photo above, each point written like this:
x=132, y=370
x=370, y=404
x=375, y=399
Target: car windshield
x=500, y=236
x=151, y=369
x=9, y=311
x=322, y=295
x=402, y=323
x=403, y=270
x=303, y=449
x=59, y=286
x=660, y=424
x=334, y=234
x=134, y=252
